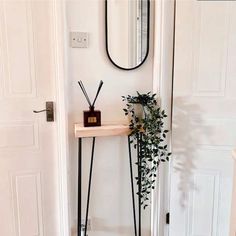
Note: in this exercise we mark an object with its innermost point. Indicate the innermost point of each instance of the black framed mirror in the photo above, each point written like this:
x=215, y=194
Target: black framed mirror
x=127, y=32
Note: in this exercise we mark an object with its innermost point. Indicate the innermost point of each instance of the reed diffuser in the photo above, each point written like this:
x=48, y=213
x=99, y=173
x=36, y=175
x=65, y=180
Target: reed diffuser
x=92, y=117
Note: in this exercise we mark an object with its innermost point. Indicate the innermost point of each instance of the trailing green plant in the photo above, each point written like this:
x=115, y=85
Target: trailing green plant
x=148, y=136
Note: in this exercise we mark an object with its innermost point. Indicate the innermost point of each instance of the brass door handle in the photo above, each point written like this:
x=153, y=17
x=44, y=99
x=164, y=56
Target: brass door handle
x=49, y=111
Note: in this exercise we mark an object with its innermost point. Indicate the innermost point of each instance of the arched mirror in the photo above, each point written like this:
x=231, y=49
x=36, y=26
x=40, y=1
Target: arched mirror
x=127, y=32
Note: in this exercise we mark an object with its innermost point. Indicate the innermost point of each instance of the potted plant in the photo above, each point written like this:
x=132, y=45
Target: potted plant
x=148, y=137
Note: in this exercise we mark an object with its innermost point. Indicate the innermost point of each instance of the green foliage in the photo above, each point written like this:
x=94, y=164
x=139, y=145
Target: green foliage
x=148, y=136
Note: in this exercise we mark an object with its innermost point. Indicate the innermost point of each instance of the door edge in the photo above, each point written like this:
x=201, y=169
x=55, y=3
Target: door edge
x=162, y=85
x=60, y=65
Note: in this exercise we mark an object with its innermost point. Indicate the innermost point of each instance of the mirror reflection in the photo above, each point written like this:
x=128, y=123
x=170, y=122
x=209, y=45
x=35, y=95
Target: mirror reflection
x=127, y=32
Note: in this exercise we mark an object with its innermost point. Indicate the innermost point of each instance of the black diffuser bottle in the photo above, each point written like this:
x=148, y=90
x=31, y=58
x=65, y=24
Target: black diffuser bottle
x=92, y=117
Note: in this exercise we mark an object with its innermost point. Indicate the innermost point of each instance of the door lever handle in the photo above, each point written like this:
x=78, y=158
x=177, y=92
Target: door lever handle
x=49, y=111
x=41, y=110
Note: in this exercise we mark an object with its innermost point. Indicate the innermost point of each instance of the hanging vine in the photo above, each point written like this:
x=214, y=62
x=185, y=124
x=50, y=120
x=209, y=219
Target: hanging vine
x=148, y=136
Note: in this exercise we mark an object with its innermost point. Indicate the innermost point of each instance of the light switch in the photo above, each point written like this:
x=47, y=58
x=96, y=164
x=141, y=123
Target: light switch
x=79, y=39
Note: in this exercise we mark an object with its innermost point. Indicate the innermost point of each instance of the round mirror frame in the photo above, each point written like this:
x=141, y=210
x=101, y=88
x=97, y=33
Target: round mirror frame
x=148, y=36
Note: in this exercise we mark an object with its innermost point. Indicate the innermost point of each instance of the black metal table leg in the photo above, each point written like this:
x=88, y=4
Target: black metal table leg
x=89, y=186
x=132, y=187
x=79, y=185
x=139, y=185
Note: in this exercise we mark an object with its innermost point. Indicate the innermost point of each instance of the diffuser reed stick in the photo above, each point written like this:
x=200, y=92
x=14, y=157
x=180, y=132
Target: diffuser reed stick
x=85, y=93
x=98, y=91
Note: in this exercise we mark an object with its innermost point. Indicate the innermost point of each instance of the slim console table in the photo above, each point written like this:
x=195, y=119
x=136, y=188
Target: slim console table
x=93, y=132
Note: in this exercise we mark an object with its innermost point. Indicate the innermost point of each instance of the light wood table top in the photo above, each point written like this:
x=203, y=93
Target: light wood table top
x=99, y=131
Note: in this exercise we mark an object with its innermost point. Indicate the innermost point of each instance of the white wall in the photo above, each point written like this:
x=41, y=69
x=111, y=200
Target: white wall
x=111, y=209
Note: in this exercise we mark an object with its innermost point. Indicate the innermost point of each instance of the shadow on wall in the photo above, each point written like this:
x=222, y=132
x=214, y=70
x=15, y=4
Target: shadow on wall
x=188, y=132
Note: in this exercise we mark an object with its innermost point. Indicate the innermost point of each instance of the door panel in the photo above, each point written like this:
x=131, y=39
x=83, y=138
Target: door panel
x=204, y=118
x=27, y=203
x=19, y=74
x=28, y=183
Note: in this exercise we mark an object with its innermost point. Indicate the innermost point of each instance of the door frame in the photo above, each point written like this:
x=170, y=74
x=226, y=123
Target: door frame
x=60, y=74
x=163, y=64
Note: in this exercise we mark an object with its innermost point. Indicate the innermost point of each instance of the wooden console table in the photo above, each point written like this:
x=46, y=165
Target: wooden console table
x=93, y=132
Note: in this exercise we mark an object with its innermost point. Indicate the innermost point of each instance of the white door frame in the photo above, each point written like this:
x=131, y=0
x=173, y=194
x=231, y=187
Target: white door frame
x=162, y=85
x=60, y=73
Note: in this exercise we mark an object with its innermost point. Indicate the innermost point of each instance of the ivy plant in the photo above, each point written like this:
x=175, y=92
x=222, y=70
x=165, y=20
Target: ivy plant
x=148, y=137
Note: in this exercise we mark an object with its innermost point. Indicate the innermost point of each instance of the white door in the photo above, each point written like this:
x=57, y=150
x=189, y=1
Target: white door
x=204, y=118
x=28, y=152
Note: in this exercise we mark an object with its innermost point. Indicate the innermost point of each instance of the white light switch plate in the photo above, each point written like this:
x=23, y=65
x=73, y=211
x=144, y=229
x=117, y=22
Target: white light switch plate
x=79, y=39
